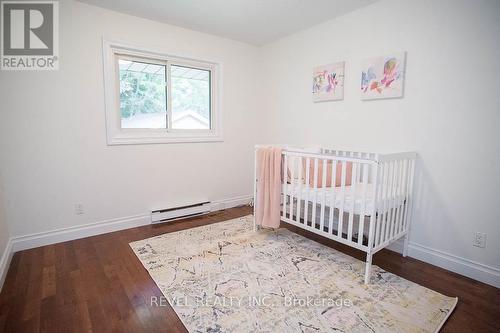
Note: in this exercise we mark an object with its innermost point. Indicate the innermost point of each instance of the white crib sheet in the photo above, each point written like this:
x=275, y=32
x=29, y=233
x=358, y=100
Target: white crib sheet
x=335, y=193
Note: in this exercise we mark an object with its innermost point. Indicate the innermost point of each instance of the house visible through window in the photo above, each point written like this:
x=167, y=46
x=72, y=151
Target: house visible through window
x=154, y=98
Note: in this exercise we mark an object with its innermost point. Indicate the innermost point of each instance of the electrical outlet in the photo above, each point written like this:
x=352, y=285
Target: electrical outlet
x=479, y=239
x=79, y=210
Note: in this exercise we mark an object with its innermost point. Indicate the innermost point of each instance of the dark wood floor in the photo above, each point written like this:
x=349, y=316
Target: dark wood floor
x=97, y=284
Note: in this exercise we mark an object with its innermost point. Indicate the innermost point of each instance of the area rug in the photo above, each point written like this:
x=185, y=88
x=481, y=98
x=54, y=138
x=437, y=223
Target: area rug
x=225, y=277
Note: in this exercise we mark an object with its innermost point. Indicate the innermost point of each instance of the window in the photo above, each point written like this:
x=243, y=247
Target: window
x=156, y=98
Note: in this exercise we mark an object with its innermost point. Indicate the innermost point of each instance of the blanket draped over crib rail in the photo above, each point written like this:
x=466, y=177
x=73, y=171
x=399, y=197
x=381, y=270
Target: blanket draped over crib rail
x=268, y=165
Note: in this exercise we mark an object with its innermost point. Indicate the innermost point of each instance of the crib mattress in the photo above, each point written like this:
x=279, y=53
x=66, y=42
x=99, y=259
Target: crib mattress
x=352, y=198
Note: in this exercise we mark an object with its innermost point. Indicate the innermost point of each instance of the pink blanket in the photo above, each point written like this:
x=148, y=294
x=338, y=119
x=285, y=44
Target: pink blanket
x=267, y=209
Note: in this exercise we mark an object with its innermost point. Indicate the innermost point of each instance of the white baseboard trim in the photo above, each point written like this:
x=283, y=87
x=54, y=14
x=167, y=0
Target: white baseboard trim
x=475, y=270
x=20, y=243
x=5, y=262
x=230, y=203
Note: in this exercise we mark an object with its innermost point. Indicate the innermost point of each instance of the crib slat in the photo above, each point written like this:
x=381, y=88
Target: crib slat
x=299, y=190
x=332, y=197
x=381, y=204
x=393, y=199
x=388, y=210
x=285, y=183
x=292, y=184
x=409, y=190
x=381, y=199
x=358, y=175
x=362, y=213
x=315, y=193
x=411, y=183
x=323, y=198
x=386, y=203
x=373, y=212
x=396, y=199
x=389, y=202
x=353, y=200
x=342, y=200
x=406, y=193
x=308, y=187
x=401, y=184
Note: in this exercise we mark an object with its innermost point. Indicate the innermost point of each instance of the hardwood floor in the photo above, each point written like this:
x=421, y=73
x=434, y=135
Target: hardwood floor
x=97, y=284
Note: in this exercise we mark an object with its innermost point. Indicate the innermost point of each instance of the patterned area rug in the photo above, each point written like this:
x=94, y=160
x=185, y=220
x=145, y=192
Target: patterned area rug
x=225, y=277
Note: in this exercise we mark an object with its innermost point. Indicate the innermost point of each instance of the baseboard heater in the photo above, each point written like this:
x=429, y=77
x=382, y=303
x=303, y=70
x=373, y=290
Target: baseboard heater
x=175, y=213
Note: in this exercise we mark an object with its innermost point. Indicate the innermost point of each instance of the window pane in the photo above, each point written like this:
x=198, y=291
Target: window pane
x=142, y=95
x=190, y=98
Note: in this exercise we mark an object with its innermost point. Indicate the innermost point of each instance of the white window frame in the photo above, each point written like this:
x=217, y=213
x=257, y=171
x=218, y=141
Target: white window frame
x=116, y=135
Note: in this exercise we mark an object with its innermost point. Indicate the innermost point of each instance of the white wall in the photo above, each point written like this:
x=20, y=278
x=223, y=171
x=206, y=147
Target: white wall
x=53, y=139
x=450, y=112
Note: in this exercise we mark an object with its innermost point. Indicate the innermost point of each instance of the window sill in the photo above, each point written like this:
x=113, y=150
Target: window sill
x=130, y=139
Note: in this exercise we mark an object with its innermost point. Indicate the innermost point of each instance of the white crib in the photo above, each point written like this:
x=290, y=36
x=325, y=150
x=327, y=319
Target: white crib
x=367, y=210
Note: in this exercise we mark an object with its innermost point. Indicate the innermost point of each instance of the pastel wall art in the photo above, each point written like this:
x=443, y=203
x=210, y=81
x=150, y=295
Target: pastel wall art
x=383, y=77
x=328, y=82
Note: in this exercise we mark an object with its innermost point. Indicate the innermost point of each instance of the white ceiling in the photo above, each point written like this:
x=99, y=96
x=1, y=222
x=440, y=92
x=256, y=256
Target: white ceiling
x=253, y=21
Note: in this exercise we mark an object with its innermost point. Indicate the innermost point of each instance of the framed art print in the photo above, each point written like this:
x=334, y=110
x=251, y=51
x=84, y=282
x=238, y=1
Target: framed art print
x=328, y=82
x=383, y=77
